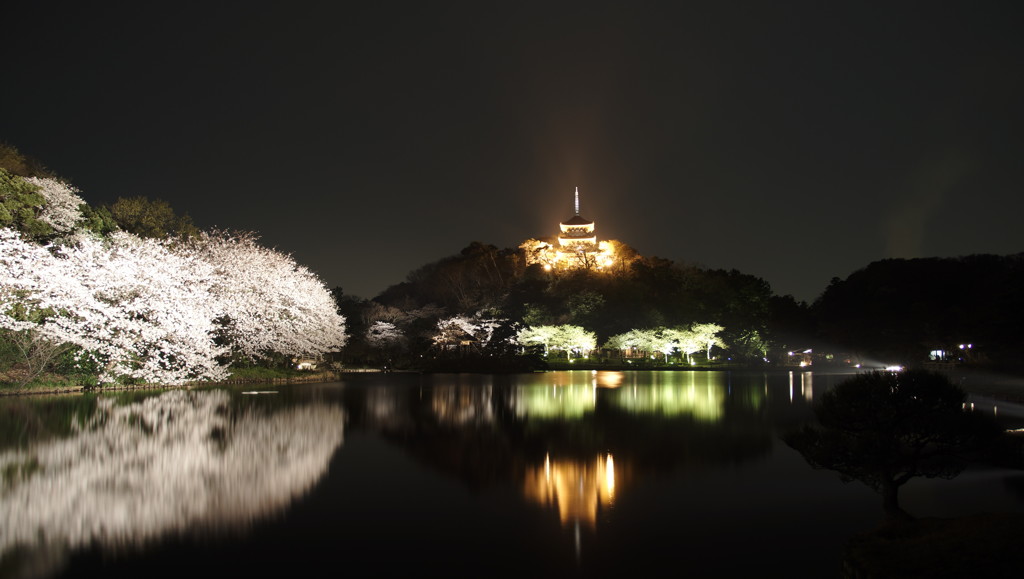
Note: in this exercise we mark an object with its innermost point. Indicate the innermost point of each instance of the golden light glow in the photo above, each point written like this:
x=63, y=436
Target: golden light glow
x=580, y=489
x=577, y=247
x=608, y=379
x=572, y=254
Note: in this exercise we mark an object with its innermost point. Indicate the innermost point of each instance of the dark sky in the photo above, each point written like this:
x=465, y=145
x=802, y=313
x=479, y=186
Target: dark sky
x=795, y=141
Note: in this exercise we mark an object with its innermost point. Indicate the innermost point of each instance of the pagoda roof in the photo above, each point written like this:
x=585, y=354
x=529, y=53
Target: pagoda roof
x=577, y=220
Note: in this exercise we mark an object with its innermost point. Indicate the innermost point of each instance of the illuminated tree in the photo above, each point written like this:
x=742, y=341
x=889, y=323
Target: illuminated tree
x=707, y=336
x=616, y=256
x=267, y=303
x=884, y=429
x=384, y=335
x=539, y=252
x=607, y=256
x=63, y=207
x=573, y=340
x=138, y=309
x=640, y=340
x=456, y=329
x=669, y=340
x=567, y=338
x=150, y=310
x=536, y=336
x=666, y=341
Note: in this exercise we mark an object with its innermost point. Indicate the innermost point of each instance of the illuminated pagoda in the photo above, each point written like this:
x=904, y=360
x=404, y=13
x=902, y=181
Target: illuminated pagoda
x=577, y=231
x=577, y=245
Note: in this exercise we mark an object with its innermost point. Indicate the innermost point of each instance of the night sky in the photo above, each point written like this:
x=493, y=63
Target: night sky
x=795, y=141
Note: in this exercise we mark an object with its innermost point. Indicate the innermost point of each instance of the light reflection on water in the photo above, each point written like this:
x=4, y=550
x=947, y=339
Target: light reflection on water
x=578, y=489
x=583, y=472
x=572, y=395
x=170, y=464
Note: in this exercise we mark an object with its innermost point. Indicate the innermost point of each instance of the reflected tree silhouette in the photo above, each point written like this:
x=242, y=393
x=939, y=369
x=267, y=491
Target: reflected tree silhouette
x=885, y=428
x=131, y=474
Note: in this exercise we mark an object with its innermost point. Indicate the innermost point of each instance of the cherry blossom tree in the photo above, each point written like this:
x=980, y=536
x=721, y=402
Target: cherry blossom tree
x=536, y=336
x=477, y=329
x=384, y=335
x=63, y=208
x=134, y=306
x=268, y=303
x=573, y=340
x=636, y=339
x=707, y=334
x=567, y=338
x=687, y=340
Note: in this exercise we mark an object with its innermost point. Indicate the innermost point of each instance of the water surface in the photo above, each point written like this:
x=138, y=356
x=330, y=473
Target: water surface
x=578, y=473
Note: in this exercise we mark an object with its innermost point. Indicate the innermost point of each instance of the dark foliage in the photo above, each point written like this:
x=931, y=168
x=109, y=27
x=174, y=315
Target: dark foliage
x=15, y=162
x=885, y=428
x=903, y=308
x=150, y=218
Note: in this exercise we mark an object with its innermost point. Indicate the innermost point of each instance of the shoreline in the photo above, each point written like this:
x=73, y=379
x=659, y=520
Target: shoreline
x=988, y=382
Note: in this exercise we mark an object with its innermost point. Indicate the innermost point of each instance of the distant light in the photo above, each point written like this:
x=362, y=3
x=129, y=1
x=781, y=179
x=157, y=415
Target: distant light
x=894, y=368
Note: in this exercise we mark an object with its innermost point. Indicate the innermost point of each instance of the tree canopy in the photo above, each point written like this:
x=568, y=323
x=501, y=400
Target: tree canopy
x=151, y=218
x=885, y=428
x=138, y=293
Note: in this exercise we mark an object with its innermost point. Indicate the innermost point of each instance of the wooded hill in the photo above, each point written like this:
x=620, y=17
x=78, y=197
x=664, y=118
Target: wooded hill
x=897, y=310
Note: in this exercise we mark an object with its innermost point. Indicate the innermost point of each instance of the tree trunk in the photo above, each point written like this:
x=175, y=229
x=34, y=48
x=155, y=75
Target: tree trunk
x=891, y=502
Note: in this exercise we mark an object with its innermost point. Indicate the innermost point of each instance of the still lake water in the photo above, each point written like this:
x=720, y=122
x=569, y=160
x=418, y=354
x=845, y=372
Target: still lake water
x=562, y=473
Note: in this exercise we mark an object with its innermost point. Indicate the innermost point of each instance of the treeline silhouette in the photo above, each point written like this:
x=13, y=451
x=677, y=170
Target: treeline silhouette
x=906, y=308
x=893, y=310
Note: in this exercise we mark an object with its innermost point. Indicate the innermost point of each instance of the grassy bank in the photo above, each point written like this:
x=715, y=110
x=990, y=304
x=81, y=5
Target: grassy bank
x=57, y=384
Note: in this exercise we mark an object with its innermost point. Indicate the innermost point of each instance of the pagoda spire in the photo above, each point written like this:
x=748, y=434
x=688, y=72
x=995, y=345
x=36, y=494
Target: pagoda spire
x=576, y=205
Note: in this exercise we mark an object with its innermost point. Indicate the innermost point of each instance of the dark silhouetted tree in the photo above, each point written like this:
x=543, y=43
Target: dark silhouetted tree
x=17, y=163
x=885, y=428
x=148, y=218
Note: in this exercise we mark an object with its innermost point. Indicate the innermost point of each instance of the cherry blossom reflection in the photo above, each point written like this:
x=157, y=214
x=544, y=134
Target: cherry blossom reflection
x=175, y=462
x=462, y=405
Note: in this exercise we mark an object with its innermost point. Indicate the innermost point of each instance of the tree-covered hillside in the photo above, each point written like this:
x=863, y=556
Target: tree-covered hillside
x=969, y=308
x=908, y=311
x=639, y=293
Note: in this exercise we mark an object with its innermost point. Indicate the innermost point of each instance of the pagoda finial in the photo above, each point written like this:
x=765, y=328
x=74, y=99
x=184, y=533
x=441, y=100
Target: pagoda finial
x=577, y=204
